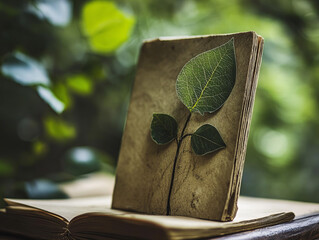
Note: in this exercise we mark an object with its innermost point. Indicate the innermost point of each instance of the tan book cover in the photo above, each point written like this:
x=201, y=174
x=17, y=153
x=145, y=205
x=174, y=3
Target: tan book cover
x=206, y=186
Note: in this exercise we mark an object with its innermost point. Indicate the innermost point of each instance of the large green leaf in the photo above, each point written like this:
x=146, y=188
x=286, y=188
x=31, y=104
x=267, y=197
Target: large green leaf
x=163, y=128
x=206, y=139
x=105, y=25
x=206, y=81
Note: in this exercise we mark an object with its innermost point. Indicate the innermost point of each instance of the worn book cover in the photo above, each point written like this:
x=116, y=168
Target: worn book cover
x=188, y=177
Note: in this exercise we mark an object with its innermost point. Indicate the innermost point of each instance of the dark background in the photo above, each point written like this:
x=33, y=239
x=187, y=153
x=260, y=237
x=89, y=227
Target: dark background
x=67, y=69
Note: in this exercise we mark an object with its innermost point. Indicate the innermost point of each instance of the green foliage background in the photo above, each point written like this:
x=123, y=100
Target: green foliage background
x=90, y=56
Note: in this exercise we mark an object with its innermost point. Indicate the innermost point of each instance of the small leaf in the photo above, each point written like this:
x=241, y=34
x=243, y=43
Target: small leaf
x=206, y=81
x=24, y=70
x=163, y=128
x=206, y=139
x=105, y=25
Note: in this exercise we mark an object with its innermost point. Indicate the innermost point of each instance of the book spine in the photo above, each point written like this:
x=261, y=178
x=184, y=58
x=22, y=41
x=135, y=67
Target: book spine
x=66, y=235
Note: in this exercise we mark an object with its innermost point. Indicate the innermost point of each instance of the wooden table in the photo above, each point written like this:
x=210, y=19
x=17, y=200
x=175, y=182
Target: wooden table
x=306, y=228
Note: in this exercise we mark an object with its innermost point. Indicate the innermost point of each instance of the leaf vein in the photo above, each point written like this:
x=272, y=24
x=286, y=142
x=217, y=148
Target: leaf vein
x=211, y=77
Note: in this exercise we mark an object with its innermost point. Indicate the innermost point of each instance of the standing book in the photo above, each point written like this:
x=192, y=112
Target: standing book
x=170, y=179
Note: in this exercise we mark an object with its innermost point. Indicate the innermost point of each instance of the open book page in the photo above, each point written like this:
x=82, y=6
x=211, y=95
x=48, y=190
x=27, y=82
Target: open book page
x=47, y=219
x=250, y=216
x=30, y=222
x=67, y=208
x=249, y=208
x=95, y=214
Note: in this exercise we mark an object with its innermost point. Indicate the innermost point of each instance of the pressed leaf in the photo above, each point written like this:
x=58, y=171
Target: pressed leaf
x=206, y=139
x=163, y=128
x=206, y=81
x=105, y=25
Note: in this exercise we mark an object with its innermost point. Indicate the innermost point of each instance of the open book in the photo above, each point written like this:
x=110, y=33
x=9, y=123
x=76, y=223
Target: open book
x=149, y=178
x=92, y=218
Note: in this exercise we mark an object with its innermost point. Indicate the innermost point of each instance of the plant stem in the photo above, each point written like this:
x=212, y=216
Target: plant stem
x=179, y=141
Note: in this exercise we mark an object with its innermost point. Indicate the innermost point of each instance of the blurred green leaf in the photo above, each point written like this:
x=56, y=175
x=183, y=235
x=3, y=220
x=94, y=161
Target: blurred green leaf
x=28, y=72
x=80, y=84
x=39, y=147
x=6, y=169
x=81, y=160
x=47, y=95
x=57, y=12
x=278, y=146
x=24, y=70
x=105, y=25
x=61, y=91
x=58, y=129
